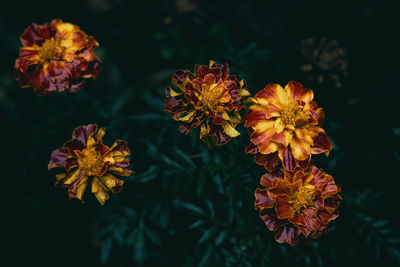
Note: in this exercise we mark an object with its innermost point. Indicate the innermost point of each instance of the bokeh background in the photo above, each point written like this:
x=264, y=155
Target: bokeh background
x=188, y=205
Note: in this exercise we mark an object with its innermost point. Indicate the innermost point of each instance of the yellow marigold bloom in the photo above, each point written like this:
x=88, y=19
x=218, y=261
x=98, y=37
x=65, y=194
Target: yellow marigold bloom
x=56, y=56
x=85, y=158
x=284, y=124
x=210, y=98
x=297, y=203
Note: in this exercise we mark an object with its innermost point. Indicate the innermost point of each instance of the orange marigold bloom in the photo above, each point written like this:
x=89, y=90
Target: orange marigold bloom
x=284, y=124
x=85, y=158
x=295, y=203
x=56, y=56
x=210, y=98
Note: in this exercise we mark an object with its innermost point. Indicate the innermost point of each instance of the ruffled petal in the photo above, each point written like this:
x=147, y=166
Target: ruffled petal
x=287, y=234
x=300, y=149
x=275, y=93
x=283, y=209
x=82, y=133
x=298, y=92
x=270, y=219
x=58, y=158
x=290, y=162
x=262, y=199
x=255, y=114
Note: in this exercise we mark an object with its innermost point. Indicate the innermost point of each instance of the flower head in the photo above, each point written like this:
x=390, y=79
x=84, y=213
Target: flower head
x=210, y=98
x=324, y=60
x=284, y=124
x=297, y=203
x=56, y=56
x=85, y=158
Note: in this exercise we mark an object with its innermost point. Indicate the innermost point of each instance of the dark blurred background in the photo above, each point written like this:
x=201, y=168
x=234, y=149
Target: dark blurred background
x=188, y=205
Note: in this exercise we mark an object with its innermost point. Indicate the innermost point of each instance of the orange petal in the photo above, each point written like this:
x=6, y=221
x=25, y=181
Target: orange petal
x=267, y=147
x=301, y=150
x=262, y=132
x=274, y=110
x=298, y=92
x=255, y=114
x=283, y=138
x=274, y=93
x=268, y=161
x=283, y=209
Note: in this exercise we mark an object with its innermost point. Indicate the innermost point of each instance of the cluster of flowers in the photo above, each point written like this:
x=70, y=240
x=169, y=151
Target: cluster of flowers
x=285, y=129
x=58, y=56
x=284, y=125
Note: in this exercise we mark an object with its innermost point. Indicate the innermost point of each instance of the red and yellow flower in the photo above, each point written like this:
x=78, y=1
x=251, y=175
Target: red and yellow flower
x=284, y=125
x=56, y=56
x=210, y=98
x=297, y=203
x=85, y=158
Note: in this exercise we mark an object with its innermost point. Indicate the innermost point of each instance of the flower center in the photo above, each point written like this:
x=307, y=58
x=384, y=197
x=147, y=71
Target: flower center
x=49, y=49
x=91, y=162
x=302, y=198
x=293, y=115
x=209, y=97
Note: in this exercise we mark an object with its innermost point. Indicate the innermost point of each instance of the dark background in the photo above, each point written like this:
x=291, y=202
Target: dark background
x=188, y=205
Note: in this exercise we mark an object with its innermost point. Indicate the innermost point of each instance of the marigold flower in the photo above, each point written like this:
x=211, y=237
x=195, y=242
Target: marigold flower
x=284, y=125
x=324, y=60
x=85, y=158
x=295, y=203
x=56, y=56
x=210, y=98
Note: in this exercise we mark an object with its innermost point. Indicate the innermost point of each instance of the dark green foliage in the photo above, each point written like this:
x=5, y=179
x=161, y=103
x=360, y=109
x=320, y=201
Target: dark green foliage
x=188, y=205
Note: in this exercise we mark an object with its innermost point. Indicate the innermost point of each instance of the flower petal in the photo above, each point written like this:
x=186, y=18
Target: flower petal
x=269, y=161
x=269, y=177
x=82, y=133
x=269, y=218
x=301, y=150
x=289, y=162
x=288, y=234
x=255, y=114
x=283, y=209
x=275, y=93
x=262, y=200
x=58, y=158
x=298, y=92
x=229, y=130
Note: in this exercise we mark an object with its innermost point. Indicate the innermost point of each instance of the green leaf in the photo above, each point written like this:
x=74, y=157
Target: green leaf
x=211, y=208
x=189, y=206
x=105, y=250
x=146, y=117
x=185, y=157
x=220, y=238
x=201, y=182
x=146, y=176
x=218, y=183
x=129, y=212
x=196, y=224
x=171, y=162
x=205, y=155
x=154, y=237
x=380, y=223
x=206, y=256
x=139, y=252
x=207, y=234
x=163, y=217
